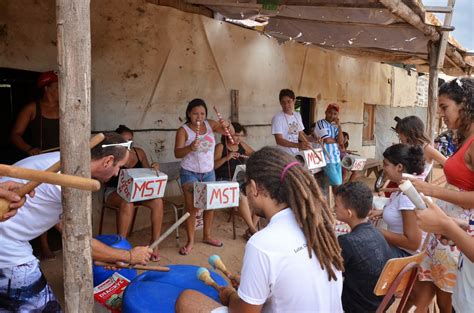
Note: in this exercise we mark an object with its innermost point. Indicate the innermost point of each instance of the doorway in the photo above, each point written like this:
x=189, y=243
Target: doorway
x=17, y=88
x=306, y=107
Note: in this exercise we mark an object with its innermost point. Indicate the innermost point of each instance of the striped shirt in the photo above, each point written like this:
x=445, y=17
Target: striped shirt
x=324, y=129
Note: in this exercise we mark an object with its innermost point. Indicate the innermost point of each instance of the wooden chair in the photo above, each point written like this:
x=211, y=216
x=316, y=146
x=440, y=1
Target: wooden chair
x=398, y=275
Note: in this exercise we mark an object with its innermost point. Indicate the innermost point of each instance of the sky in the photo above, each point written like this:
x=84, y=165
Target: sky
x=463, y=20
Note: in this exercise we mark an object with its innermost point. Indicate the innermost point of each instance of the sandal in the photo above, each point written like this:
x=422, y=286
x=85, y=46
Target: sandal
x=247, y=234
x=155, y=257
x=213, y=242
x=185, y=250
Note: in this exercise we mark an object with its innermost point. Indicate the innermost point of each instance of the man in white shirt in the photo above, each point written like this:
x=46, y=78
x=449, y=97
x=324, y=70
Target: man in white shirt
x=22, y=285
x=281, y=271
x=287, y=125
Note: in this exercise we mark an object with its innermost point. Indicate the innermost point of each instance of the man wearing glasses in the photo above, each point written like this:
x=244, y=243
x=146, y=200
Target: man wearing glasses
x=22, y=285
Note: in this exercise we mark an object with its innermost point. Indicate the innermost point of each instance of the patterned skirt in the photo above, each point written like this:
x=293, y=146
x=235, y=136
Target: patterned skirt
x=441, y=261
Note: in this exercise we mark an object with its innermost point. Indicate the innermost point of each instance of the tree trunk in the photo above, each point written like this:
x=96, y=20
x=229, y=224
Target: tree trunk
x=74, y=63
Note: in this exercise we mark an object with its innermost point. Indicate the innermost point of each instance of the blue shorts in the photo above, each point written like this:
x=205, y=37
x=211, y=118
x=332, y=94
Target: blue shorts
x=334, y=173
x=186, y=177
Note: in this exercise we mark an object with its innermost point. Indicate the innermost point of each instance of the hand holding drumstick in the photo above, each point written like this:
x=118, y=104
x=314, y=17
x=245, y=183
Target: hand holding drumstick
x=7, y=192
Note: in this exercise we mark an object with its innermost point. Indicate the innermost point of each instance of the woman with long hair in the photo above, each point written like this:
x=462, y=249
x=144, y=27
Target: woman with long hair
x=194, y=145
x=456, y=108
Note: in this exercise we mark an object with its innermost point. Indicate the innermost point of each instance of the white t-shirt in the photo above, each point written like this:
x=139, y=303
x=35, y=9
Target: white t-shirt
x=37, y=215
x=392, y=214
x=278, y=273
x=289, y=127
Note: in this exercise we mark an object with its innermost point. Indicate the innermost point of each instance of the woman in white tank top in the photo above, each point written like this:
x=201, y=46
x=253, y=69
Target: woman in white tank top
x=194, y=145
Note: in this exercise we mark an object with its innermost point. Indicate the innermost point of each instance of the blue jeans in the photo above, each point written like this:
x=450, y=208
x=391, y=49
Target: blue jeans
x=186, y=177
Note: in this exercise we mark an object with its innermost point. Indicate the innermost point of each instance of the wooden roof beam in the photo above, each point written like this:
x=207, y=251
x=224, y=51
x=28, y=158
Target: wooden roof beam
x=398, y=8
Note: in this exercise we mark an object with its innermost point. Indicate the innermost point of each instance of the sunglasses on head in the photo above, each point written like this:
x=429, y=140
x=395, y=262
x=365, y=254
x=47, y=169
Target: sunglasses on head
x=127, y=144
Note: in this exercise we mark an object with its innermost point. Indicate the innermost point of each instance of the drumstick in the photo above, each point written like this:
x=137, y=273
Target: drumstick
x=303, y=137
x=50, y=150
x=203, y=275
x=216, y=262
x=226, y=129
x=50, y=177
x=169, y=231
x=137, y=267
x=27, y=188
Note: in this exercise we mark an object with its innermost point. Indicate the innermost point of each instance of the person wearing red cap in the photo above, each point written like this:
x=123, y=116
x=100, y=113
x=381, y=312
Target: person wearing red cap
x=39, y=118
x=330, y=131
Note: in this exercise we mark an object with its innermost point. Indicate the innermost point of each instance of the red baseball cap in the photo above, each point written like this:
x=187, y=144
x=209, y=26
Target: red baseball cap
x=334, y=106
x=47, y=78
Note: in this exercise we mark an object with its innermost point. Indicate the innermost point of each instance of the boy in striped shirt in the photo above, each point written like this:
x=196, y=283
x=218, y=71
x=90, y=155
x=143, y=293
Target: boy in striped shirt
x=330, y=131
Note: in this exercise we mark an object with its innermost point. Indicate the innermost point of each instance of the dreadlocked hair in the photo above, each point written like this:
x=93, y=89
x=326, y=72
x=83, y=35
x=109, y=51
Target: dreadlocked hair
x=461, y=91
x=300, y=191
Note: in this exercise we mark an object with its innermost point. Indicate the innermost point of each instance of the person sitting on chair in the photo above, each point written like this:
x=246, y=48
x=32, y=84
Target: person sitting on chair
x=227, y=156
x=137, y=159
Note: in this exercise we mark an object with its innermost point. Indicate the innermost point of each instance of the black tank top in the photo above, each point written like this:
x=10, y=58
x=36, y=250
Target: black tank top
x=113, y=182
x=44, y=131
x=222, y=172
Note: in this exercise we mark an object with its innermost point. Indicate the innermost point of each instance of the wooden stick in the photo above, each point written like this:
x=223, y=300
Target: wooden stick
x=204, y=276
x=137, y=267
x=49, y=150
x=169, y=231
x=27, y=188
x=226, y=129
x=303, y=137
x=50, y=177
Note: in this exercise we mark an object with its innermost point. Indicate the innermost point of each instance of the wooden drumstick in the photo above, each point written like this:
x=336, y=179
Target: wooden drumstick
x=169, y=230
x=27, y=188
x=203, y=275
x=137, y=267
x=49, y=150
x=216, y=262
x=226, y=129
x=50, y=177
x=314, y=151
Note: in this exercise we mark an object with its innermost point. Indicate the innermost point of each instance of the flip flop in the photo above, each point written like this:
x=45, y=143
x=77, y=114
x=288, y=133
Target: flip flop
x=213, y=242
x=185, y=251
x=155, y=257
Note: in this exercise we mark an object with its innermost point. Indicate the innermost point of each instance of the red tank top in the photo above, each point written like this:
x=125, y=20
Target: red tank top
x=456, y=171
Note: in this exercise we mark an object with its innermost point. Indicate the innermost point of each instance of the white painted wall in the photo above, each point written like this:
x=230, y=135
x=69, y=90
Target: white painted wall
x=148, y=61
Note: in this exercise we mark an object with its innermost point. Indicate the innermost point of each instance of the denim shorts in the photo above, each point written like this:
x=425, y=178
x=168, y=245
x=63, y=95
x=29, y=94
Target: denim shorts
x=334, y=173
x=186, y=177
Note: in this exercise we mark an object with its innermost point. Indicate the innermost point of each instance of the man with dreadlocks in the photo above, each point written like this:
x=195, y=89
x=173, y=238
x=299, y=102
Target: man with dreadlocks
x=292, y=265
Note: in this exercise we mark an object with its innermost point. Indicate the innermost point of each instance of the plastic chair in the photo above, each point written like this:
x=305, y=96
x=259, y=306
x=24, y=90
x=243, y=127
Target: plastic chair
x=398, y=275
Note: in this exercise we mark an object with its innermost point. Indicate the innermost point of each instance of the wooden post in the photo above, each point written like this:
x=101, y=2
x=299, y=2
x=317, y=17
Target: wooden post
x=432, y=91
x=234, y=105
x=74, y=64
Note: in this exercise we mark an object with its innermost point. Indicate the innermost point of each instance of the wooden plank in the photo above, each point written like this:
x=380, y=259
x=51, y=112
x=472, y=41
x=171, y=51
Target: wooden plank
x=74, y=64
x=234, y=105
x=444, y=36
x=432, y=92
x=438, y=9
x=182, y=5
x=398, y=8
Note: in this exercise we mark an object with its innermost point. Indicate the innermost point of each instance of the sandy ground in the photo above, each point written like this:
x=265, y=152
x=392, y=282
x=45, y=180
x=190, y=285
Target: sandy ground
x=231, y=253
